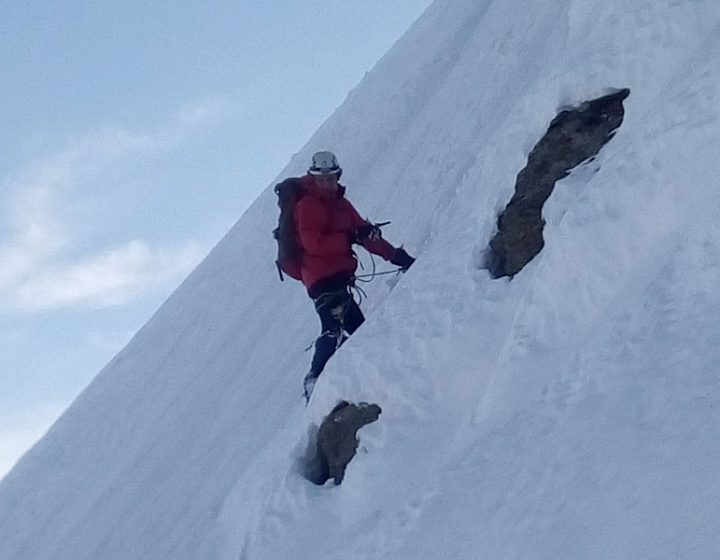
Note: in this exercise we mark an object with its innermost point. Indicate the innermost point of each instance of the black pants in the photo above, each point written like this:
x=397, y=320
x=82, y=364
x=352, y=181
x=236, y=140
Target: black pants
x=340, y=316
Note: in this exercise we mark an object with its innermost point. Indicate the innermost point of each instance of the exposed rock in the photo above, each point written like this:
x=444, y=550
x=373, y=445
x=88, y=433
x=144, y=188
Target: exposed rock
x=574, y=136
x=337, y=441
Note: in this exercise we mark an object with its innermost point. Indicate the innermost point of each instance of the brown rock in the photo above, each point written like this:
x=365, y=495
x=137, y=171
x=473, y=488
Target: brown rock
x=574, y=136
x=337, y=440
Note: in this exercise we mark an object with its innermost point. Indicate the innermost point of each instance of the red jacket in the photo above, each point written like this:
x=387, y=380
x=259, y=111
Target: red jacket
x=325, y=227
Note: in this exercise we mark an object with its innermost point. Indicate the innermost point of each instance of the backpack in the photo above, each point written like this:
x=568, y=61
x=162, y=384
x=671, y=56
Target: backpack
x=290, y=251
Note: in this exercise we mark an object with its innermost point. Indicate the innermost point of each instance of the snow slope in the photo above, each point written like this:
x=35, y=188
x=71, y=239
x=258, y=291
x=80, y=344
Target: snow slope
x=572, y=412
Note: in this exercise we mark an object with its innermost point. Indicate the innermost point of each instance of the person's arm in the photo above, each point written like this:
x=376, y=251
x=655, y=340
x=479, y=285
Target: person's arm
x=396, y=255
x=367, y=235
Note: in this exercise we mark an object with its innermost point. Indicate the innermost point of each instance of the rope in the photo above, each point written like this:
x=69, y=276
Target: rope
x=360, y=278
x=360, y=292
x=365, y=278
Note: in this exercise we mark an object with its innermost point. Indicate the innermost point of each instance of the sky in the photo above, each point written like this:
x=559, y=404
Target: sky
x=134, y=135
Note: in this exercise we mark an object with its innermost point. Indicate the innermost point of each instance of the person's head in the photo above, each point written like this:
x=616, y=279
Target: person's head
x=326, y=171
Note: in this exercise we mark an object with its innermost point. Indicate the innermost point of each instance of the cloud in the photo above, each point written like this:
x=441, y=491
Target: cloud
x=38, y=267
x=112, y=278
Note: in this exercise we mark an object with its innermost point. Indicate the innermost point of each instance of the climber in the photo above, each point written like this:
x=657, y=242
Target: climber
x=322, y=229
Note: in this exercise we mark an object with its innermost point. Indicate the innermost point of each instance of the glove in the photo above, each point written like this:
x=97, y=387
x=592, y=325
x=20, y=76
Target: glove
x=366, y=232
x=402, y=259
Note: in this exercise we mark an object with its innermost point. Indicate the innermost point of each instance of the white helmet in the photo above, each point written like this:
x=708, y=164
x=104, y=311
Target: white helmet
x=325, y=163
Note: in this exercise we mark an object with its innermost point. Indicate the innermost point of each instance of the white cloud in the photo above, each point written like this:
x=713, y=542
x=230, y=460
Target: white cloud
x=37, y=267
x=112, y=278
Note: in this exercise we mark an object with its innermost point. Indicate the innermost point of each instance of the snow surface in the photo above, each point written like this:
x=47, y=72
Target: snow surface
x=572, y=412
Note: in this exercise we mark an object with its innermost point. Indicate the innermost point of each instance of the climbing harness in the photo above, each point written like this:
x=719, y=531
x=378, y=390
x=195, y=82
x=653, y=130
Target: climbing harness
x=323, y=300
x=338, y=313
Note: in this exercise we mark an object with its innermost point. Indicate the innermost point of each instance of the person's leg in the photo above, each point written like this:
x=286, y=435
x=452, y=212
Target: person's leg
x=339, y=313
x=331, y=308
x=353, y=317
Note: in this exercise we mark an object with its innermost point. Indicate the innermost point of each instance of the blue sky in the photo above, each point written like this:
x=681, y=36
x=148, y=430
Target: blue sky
x=134, y=134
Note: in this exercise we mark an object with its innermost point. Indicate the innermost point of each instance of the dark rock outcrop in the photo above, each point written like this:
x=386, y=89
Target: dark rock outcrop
x=337, y=442
x=574, y=136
